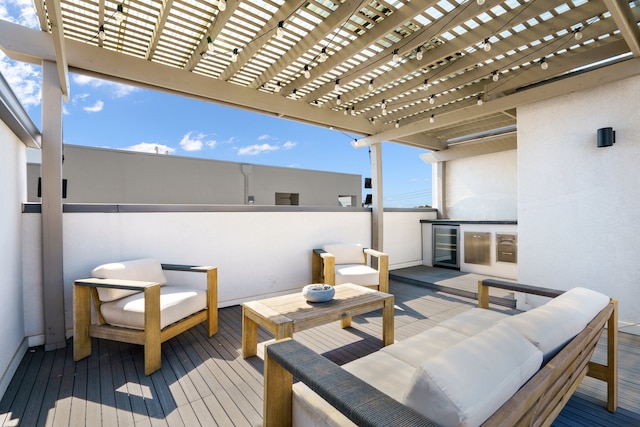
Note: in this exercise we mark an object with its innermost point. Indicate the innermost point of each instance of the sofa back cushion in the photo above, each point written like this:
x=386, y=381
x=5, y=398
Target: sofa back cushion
x=550, y=326
x=469, y=381
x=147, y=269
x=346, y=253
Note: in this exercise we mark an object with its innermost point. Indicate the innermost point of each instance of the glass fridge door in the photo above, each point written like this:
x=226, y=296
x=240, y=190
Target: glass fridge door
x=445, y=245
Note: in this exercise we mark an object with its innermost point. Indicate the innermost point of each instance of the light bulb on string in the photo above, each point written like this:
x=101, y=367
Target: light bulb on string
x=280, y=30
x=346, y=111
x=419, y=54
x=432, y=119
x=353, y=111
x=577, y=34
x=307, y=73
x=222, y=5
x=432, y=99
x=480, y=102
x=278, y=87
x=101, y=34
x=370, y=85
x=119, y=15
x=487, y=45
x=323, y=55
x=396, y=56
x=480, y=2
x=210, y=45
x=397, y=124
x=544, y=64
x=338, y=100
x=234, y=55
x=495, y=77
x=337, y=85
x=426, y=85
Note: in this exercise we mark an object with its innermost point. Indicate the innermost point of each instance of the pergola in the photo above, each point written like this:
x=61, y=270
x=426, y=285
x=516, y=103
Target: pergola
x=446, y=76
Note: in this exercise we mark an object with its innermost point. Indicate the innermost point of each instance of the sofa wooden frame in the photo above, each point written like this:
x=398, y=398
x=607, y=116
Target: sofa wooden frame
x=538, y=402
x=323, y=267
x=152, y=336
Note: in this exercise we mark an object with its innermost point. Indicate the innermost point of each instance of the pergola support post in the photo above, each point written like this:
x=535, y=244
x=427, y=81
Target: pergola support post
x=377, y=210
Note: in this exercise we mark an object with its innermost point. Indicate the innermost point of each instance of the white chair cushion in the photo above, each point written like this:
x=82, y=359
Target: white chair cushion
x=550, y=326
x=466, y=383
x=147, y=269
x=176, y=303
x=473, y=321
x=309, y=409
x=417, y=349
x=346, y=253
x=358, y=274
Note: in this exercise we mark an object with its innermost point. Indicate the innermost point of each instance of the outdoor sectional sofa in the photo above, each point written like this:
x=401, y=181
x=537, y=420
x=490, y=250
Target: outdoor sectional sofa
x=481, y=367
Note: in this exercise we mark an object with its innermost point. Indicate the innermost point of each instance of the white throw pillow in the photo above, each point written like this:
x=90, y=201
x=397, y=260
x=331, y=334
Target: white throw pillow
x=346, y=253
x=147, y=270
x=466, y=383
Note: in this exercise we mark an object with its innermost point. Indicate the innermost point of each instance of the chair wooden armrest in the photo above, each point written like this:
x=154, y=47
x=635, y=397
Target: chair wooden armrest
x=359, y=401
x=323, y=265
x=382, y=267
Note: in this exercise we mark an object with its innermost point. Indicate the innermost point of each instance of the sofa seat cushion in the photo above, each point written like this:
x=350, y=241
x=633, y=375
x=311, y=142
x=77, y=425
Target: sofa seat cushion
x=381, y=370
x=176, y=303
x=550, y=326
x=346, y=253
x=417, y=349
x=474, y=321
x=469, y=381
x=358, y=274
x=146, y=270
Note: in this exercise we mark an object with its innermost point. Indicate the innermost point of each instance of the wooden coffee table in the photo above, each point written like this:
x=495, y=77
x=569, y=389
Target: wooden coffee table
x=286, y=314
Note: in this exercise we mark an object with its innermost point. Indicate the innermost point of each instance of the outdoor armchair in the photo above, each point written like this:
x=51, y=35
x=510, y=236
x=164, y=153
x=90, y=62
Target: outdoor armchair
x=340, y=263
x=133, y=303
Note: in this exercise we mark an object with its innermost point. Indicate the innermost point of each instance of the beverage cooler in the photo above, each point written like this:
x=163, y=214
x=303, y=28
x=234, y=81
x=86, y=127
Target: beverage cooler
x=446, y=239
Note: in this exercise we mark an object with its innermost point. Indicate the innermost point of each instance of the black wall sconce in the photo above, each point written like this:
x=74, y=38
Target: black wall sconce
x=606, y=137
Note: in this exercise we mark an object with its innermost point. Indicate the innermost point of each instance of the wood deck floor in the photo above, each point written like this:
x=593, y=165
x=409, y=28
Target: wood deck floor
x=205, y=381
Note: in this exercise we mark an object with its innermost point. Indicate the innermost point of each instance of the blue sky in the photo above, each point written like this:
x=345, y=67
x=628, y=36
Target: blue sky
x=110, y=115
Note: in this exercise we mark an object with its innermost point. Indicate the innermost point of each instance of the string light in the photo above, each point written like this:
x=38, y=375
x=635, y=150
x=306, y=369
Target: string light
x=397, y=124
x=338, y=100
x=487, y=45
x=577, y=34
x=337, y=86
x=432, y=119
x=210, y=45
x=426, y=85
x=396, y=56
x=372, y=121
x=353, y=111
x=307, y=73
x=323, y=55
x=383, y=106
x=495, y=77
x=346, y=111
x=222, y=5
x=101, y=34
x=119, y=15
x=480, y=2
x=432, y=99
x=419, y=54
x=480, y=102
x=234, y=55
x=278, y=87
x=280, y=30
x=544, y=64
x=371, y=85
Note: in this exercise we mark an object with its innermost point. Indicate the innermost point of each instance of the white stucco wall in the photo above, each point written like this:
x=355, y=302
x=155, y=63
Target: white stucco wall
x=579, y=209
x=12, y=194
x=482, y=187
x=258, y=253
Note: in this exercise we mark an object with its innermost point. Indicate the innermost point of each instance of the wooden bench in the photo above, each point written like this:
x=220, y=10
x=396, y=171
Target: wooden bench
x=537, y=402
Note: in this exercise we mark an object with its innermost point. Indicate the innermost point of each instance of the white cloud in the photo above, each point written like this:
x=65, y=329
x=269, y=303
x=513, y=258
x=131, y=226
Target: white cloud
x=192, y=144
x=264, y=137
x=96, y=108
x=150, y=147
x=289, y=145
x=118, y=90
x=254, y=150
x=24, y=79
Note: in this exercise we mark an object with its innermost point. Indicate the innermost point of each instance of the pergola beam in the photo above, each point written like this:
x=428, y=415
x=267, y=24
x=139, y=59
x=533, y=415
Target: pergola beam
x=57, y=33
x=627, y=23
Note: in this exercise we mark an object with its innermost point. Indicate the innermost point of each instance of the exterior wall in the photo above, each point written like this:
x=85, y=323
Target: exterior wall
x=96, y=175
x=578, y=210
x=482, y=187
x=259, y=251
x=12, y=194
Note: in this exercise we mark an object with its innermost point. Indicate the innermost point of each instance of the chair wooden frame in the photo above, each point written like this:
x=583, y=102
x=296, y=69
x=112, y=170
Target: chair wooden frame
x=152, y=336
x=323, y=267
x=537, y=403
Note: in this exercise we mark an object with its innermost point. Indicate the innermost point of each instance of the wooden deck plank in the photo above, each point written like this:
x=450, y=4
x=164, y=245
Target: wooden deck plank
x=204, y=380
